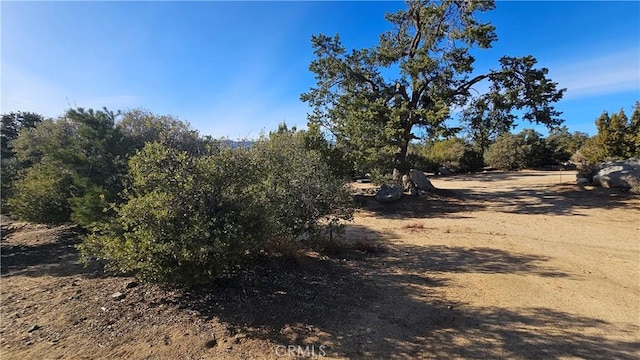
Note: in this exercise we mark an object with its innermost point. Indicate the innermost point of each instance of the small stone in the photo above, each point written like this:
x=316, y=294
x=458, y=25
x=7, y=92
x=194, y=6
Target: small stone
x=131, y=284
x=211, y=343
x=117, y=296
x=34, y=328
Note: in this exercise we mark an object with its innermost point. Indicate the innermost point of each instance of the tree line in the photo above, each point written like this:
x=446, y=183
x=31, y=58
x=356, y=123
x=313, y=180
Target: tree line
x=157, y=198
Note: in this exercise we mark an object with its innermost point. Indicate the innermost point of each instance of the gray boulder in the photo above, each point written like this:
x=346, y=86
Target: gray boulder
x=623, y=174
x=582, y=181
x=420, y=180
x=389, y=193
x=442, y=170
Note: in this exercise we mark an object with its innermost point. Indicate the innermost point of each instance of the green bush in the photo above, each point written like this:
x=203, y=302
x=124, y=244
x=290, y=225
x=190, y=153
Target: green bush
x=299, y=188
x=506, y=153
x=42, y=195
x=562, y=145
x=189, y=219
x=471, y=161
x=455, y=154
x=91, y=207
x=526, y=149
x=340, y=163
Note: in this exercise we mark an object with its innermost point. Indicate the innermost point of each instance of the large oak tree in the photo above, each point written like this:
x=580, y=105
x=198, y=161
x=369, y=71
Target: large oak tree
x=375, y=116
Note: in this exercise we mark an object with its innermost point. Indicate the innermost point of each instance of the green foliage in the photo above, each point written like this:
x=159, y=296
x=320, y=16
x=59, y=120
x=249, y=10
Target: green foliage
x=91, y=207
x=12, y=124
x=87, y=144
x=447, y=153
x=454, y=153
x=43, y=194
x=611, y=134
x=632, y=138
x=188, y=219
x=340, y=163
x=471, y=161
x=514, y=152
x=10, y=167
x=618, y=138
x=298, y=186
x=562, y=144
x=141, y=127
x=373, y=118
x=96, y=148
x=506, y=153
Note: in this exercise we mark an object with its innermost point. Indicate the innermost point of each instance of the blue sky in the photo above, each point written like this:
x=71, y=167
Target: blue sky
x=235, y=68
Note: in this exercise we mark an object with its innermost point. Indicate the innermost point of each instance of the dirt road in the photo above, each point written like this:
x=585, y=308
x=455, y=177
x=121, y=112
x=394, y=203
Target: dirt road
x=499, y=265
x=532, y=266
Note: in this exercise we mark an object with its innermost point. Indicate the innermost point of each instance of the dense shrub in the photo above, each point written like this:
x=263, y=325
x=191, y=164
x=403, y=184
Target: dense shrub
x=340, y=163
x=95, y=147
x=455, y=154
x=617, y=138
x=90, y=207
x=506, y=153
x=471, y=161
x=562, y=145
x=10, y=167
x=43, y=194
x=298, y=185
x=514, y=152
x=189, y=219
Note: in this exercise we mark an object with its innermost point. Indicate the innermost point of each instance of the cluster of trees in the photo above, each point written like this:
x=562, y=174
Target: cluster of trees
x=375, y=116
x=376, y=102
x=508, y=151
x=68, y=169
x=618, y=138
x=161, y=200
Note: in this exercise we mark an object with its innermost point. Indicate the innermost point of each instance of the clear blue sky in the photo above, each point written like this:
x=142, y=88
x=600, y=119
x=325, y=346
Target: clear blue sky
x=236, y=68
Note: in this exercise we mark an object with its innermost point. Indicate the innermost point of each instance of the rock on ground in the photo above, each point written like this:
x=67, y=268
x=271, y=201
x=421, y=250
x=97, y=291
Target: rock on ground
x=624, y=174
x=389, y=193
x=421, y=180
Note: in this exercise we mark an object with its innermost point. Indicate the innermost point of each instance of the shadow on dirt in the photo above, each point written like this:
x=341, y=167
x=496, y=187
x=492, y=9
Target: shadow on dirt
x=55, y=255
x=554, y=199
x=566, y=199
x=387, y=304
x=439, y=203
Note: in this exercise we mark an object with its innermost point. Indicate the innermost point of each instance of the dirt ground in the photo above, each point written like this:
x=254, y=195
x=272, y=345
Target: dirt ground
x=492, y=265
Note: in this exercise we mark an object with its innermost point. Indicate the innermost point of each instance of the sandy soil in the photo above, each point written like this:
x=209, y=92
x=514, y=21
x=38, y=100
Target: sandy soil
x=494, y=265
